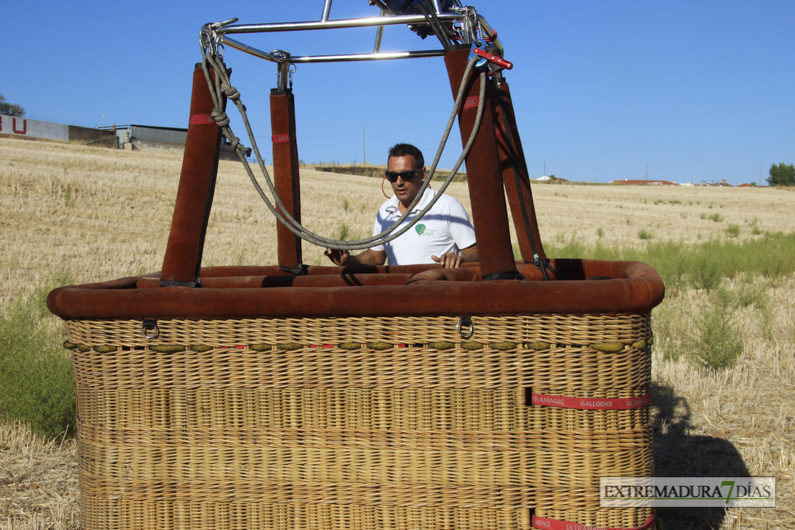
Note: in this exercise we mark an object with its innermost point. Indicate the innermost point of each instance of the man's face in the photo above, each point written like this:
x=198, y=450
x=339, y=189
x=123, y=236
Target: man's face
x=405, y=190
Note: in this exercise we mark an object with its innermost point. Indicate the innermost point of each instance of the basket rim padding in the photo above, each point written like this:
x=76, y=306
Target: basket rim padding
x=634, y=287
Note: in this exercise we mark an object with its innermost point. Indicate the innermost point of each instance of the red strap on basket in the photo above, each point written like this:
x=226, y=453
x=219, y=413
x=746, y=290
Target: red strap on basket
x=556, y=524
x=201, y=119
x=591, y=403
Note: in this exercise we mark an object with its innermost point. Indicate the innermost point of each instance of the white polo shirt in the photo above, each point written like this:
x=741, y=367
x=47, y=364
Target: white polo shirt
x=444, y=228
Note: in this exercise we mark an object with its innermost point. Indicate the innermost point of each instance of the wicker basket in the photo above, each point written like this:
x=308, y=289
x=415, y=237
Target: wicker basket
x=304, y=397
x=391, y=422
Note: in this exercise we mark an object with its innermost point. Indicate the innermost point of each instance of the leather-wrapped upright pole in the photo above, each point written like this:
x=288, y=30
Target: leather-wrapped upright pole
x=286, y=176
x=196, y=189
x=516, y=178
x=490, y=216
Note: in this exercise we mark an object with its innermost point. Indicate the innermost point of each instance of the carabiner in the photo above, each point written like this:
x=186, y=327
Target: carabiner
x=496, y=59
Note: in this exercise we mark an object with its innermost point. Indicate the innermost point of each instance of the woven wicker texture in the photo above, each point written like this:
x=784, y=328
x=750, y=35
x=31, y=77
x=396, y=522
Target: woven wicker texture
x=357, y=422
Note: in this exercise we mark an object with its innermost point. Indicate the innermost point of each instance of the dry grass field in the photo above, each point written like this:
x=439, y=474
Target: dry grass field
x=98, y=214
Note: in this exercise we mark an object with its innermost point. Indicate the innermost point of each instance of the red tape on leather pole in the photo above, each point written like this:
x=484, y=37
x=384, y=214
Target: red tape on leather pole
x=280, y=138
x=472, y=102
x=201, y=119
x=556, y=524
x=591, y=403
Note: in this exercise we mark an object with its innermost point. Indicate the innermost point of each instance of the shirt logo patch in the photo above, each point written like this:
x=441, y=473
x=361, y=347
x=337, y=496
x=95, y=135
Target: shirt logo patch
x=424, y=231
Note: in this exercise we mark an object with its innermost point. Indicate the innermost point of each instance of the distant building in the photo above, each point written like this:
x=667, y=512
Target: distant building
x=713, y=184
x=153, y=137
x=644, y=182
x=27, y=128
x=551, y=179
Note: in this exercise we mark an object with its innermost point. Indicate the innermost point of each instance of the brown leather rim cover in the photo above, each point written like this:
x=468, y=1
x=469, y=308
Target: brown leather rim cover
x=601, y=287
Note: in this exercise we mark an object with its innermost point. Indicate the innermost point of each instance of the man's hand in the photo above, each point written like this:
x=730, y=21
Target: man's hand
x=369, y=257
x=449, y=260
x=337, y=257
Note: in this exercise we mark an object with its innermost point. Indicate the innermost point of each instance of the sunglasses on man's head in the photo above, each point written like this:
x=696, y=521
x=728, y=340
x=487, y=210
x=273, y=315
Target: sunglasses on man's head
x=407, y=176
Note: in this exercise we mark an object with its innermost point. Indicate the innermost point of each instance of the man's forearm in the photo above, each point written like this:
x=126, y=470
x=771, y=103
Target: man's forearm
x=367, y=257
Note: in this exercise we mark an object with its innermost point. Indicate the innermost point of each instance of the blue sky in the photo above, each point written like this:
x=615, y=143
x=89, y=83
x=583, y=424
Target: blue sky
x=686, y=90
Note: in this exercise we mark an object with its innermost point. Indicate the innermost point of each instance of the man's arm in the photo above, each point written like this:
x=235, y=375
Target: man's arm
x=368, y=257
x=470, y=253
x=451, y=260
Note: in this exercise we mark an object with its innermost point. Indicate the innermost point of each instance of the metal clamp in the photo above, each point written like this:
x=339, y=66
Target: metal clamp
x=465, y=328
x=211, y=40
x=149, y=328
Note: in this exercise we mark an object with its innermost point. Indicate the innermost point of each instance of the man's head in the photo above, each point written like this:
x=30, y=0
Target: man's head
x=405, y=171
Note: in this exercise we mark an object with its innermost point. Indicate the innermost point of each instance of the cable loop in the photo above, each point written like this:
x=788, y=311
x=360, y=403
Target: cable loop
x=277, y=207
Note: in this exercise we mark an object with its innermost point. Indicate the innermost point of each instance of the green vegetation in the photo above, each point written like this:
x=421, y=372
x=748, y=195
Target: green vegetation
x=717, y=346
x=68, y=196
x=343, y=231
x=36, y=383
x=731, y=276
x=708, y=335
x=699, y=265
x=645, y=234
x=10, y=109
x=715, y=217
x=782, y=175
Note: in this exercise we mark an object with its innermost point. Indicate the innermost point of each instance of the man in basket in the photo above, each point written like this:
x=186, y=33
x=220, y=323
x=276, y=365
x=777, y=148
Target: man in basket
x=444, y=235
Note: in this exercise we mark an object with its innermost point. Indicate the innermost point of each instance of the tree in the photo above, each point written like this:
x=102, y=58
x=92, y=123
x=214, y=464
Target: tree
x=10, y=109
x=782, y=175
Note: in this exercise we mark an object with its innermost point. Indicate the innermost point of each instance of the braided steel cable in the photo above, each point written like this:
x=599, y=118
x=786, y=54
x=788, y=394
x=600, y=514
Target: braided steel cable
x=221, y=87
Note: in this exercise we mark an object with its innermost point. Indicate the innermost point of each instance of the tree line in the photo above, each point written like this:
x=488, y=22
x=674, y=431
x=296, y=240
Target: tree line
x=782, y=175
x=10, y=109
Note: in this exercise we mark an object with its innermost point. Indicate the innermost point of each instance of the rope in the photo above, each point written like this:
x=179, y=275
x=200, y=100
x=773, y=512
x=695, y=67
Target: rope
x=221, y=87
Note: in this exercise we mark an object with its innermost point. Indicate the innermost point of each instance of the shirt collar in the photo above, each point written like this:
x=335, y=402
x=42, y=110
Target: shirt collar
x=427, y=197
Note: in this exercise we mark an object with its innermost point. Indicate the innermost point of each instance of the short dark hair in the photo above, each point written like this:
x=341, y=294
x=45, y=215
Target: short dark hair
x=406, y=150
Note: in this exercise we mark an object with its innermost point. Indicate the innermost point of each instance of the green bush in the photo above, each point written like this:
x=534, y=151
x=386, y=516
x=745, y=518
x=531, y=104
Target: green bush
x=706, y=271
x=645, y=234
x=718, y=345
x=36, y=383
x=715, y=217
x=733, y=231
x=752, y=292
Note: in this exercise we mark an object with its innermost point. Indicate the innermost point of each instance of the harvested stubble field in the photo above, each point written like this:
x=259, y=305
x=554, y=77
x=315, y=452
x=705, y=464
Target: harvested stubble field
x=94, y=214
